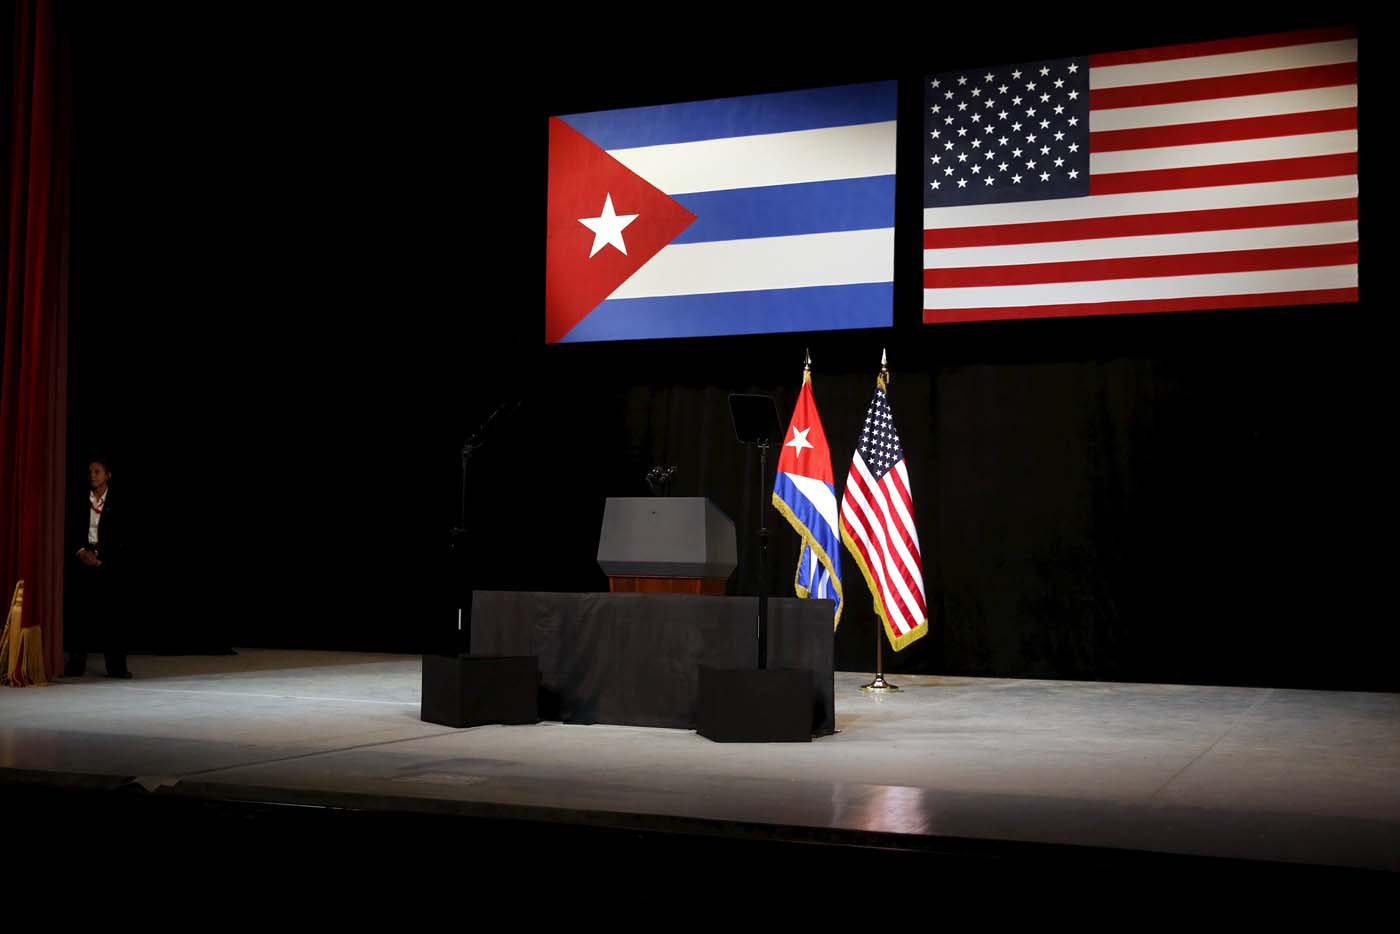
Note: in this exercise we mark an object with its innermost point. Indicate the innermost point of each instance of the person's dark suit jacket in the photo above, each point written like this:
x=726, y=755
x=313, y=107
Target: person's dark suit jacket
x=109, y=531
x=97, y=593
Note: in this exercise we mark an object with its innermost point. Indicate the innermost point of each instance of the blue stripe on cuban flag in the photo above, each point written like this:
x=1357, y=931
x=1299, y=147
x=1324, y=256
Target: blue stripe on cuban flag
x=752, y=115
x=813, y=502
x=784, y=210
x=813, y=577
x=794, y=201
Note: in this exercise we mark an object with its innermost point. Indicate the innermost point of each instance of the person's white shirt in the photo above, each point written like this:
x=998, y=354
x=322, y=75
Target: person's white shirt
x=95, y=506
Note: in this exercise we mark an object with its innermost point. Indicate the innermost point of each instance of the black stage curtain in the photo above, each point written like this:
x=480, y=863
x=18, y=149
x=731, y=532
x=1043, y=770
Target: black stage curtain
x=1198, y=514
x=349, y=280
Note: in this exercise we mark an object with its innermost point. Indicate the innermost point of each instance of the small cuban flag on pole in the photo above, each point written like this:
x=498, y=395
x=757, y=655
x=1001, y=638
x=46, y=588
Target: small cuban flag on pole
x=805, y=493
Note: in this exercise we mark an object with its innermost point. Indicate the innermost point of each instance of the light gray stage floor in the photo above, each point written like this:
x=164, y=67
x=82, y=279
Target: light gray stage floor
x=1286, y=775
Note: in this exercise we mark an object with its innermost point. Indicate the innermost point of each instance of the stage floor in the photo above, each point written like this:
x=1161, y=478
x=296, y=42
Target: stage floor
x=1279, y=775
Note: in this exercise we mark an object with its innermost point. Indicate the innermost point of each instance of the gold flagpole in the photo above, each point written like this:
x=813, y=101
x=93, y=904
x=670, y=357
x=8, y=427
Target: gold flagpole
x=880, y=685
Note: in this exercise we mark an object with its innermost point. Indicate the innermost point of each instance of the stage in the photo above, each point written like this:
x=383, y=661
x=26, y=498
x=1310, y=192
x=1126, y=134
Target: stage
x=1036, y=770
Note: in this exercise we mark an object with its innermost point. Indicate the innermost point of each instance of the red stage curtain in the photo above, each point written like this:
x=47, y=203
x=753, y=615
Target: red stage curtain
x=36, y=92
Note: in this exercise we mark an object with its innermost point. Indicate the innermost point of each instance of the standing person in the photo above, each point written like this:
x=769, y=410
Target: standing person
x=96, y=608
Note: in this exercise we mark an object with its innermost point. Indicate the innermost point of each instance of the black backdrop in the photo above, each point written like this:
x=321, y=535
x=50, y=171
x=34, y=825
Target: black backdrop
x=308, y=260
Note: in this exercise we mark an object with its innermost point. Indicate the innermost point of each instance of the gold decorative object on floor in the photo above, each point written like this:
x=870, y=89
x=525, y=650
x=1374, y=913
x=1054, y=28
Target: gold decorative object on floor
x=21, y=650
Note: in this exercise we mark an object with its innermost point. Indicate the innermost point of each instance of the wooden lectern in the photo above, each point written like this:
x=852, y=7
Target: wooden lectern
x=658, y=544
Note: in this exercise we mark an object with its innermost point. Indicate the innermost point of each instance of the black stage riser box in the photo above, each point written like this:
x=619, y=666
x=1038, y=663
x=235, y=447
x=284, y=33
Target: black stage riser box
x=473, y=690
x=756, y=706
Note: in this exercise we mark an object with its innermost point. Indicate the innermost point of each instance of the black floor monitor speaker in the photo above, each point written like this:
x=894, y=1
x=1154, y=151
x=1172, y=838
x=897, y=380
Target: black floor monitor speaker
x=755, y=706
x=472, y=690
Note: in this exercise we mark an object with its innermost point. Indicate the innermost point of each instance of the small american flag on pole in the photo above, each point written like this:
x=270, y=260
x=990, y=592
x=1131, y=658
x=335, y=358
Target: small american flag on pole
x=877, y=524
x=1213, y=175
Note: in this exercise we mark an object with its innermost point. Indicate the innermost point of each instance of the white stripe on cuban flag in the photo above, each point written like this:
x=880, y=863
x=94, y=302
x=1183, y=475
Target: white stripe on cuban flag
x=765, y=159
x=813, y=502
x=819, y=494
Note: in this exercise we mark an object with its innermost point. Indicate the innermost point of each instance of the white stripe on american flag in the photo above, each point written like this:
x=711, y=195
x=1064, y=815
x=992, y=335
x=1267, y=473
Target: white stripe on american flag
x=871, y=534
x=868, y=554
x=1265, y=159
x=894, y=566
x=1309, y=55
x=863, y=528
x=903, y=502
x=1206, y=241
x=1146, y=202
x=895, y=539
x=1166, y=287
x=1245, y=150
x=1225, y=108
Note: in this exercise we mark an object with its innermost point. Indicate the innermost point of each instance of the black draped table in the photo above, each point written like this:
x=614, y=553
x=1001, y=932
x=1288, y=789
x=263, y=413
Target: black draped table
x=633, y=658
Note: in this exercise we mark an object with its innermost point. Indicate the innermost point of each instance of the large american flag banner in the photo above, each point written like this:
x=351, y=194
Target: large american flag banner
x=1213, y=175
x=877, y=524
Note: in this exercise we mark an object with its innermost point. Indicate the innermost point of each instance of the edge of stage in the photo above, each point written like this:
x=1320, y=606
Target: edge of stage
x=1033, y=776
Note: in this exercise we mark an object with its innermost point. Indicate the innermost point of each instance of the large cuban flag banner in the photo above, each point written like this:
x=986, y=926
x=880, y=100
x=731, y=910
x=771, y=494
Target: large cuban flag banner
x=743, y=215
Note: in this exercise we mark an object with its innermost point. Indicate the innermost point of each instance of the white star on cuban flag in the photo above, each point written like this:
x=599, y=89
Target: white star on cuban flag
x=607, y=227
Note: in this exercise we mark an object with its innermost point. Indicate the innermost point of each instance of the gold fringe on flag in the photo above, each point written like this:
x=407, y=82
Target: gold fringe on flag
x=21, y=650
x=810, y=541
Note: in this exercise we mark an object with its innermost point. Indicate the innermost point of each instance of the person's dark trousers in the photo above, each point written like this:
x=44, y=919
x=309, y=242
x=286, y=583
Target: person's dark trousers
x=91, y=616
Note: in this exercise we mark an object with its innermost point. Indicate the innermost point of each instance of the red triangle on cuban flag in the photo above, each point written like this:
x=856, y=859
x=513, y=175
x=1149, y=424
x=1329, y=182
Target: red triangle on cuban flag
x=805, y=452
x=605, y=223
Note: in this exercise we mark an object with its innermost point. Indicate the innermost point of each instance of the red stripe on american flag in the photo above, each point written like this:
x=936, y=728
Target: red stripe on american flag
x=1200, y=89
x=897, y=485
x=859, y=535
x=1236, y=173
x=1219, y=131
x=1140, y=225
x=1275, y=40
x=1143, y=267
x=915, y=580
x=890, y=560
x=894, y=529
x=1204, y=303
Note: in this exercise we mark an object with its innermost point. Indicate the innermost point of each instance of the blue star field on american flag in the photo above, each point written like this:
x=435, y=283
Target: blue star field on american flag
x=1010, y=133
x=879, y=442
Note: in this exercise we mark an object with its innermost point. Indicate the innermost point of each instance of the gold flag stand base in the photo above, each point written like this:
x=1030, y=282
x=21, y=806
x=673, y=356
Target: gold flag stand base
x=880, y=686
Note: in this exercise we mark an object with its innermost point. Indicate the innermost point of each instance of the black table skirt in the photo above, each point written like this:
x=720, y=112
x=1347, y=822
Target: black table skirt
x=632, y=659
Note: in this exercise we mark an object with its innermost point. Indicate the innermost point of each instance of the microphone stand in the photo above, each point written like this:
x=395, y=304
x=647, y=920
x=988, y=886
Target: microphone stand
x=457, y=544
x=762, y=555
x=756, y=422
